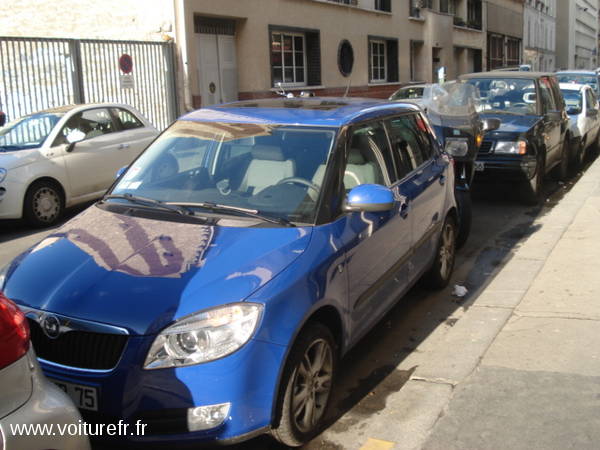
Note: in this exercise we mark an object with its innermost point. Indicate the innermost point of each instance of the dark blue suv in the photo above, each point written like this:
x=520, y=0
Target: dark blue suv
x=210, y=294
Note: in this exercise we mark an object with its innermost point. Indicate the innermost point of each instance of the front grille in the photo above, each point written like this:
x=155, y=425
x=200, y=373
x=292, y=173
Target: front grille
x=82, y=349
x=486, y=147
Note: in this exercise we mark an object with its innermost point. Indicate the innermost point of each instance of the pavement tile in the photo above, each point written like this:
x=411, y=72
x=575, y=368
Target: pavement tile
x=500, y=408
x=547, y=344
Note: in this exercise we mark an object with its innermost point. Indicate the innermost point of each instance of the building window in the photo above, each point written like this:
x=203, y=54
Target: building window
x=447, y=6
x=295, y=56
x=513, y=52
x=495, y=52
x=378, y=61
x=474, y=14
x=383, y=60
x=288, y=58
x=383, y=5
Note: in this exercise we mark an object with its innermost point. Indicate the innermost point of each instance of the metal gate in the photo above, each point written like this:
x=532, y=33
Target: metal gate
x=41, y=73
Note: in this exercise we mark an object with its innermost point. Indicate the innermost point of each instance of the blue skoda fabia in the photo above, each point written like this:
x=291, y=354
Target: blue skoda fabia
x=210, y=294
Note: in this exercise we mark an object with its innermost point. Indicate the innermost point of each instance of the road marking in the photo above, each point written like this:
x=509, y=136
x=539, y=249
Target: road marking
x=377, y=444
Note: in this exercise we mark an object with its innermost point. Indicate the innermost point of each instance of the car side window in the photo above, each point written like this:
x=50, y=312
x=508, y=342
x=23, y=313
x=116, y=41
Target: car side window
x=369, y=160
x=127, y=120
x=547, y=100
x=590, y=99
x=92, y=123
x=410, y=143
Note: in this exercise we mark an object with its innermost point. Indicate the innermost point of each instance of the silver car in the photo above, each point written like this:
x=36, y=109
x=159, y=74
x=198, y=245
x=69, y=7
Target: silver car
x=34, y=413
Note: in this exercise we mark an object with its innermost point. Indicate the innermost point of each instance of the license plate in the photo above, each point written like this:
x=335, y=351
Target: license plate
x=84, y=397
x=479, y=166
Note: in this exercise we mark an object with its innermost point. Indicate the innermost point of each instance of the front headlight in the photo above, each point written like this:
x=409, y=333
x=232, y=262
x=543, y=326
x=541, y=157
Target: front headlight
x=457, y=146
x=204, y=336
x=3, y=173
x=510, y=147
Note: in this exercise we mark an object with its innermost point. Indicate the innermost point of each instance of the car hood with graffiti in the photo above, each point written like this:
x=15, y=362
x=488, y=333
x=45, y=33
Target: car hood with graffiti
x=141, y=274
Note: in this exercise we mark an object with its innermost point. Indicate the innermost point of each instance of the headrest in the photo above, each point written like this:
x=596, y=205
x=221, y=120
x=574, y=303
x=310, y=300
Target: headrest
x=355, y=157
x=267, y=152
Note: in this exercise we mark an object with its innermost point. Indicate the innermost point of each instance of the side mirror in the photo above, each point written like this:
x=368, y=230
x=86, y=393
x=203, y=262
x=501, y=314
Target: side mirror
x=369, y=198
x=2, y=119
x=121, y=171
x=73, y=138
x=490, y=124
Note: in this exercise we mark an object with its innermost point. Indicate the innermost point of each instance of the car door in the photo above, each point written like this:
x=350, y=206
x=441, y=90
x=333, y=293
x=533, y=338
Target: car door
x=91, y=164
x=552, y=128
x=424, y=187
x=378, y=244
x=133, y=135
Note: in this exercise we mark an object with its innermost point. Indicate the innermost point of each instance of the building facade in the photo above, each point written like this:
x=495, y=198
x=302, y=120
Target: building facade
x=504, y=33
x=577, y=27
x=539, y=34
x=233, y=49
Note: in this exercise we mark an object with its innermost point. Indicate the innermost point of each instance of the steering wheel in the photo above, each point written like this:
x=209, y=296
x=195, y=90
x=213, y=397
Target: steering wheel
x=301, y=181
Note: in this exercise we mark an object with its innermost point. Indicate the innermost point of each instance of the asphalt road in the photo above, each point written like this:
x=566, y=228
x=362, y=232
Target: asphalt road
x=383, y=361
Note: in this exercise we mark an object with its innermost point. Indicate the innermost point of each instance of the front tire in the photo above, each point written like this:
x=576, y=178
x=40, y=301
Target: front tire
x=440, y=272
x=44, y=204
x=533, y=190
x=306, y=386
x=561, y=171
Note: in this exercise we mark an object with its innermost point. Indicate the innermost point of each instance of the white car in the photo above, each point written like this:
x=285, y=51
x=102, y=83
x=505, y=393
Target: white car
x=583, y=110
x=28, y=401
x=60, y=157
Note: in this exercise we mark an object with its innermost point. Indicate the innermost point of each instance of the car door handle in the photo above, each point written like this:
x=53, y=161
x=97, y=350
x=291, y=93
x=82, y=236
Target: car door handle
x=122, y=146
x=404, y=210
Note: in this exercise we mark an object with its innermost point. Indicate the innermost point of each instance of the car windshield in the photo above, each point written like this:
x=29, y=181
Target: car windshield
x=406, y=93
x=274, y=170
x=573, y=99
x=28, y=131
x=506, y=95
x=590, y=80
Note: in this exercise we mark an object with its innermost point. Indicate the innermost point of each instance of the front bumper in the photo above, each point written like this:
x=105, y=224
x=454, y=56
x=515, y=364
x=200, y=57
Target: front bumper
x=12, y=195
x=160, y=398
x=47, y=406
x=505, y=168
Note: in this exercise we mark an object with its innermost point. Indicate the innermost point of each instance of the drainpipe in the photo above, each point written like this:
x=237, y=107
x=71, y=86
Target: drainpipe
x=181, y=31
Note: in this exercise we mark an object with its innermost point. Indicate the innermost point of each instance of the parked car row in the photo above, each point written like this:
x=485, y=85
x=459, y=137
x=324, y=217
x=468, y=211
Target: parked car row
x=213, y=289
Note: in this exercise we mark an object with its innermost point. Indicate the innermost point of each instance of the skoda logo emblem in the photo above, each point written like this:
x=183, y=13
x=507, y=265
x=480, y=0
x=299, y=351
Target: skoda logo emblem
x=50, y=326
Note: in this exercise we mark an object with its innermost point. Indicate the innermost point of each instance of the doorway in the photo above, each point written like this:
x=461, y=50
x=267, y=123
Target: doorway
x=217, y=60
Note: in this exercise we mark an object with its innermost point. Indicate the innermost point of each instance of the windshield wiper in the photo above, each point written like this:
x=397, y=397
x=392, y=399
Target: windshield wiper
x=235, y=209
x=179, y=209
x=11, y=147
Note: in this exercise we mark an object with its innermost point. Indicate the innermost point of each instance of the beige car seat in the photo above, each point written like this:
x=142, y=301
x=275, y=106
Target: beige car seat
x=267, y=168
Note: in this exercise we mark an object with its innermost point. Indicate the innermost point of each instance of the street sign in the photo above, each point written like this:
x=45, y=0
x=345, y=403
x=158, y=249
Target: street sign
x=125, y=63
x=127, y=82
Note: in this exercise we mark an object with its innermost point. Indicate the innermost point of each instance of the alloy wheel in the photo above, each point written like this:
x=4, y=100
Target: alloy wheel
x=312, y=385
x=447, y=250
x=46, y=204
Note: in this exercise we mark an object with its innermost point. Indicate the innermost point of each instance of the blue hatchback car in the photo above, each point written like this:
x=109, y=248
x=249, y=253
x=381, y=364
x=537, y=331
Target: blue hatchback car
x=210, y=294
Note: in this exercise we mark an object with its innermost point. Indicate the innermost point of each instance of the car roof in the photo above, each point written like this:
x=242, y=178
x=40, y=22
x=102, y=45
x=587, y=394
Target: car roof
x=506, y=74
x=573, y=86
x=67, y=108
x=577, y=72
x=315, y=111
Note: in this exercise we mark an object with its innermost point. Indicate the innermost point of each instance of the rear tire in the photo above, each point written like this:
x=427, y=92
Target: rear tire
x=440, y=272
x=306, y=386
x=44, y=204
x=465, y=211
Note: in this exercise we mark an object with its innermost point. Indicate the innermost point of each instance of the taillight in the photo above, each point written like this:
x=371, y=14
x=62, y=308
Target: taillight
x=14, y=332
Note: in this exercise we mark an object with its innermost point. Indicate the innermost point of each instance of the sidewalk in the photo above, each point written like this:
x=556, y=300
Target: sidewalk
x=521, y=368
